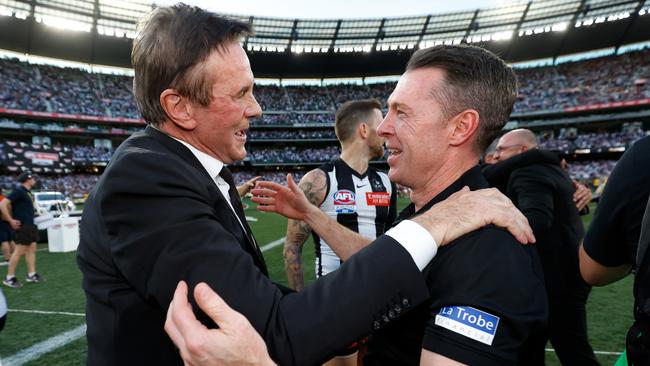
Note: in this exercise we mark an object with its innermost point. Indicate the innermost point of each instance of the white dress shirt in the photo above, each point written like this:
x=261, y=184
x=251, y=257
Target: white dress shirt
x=213, y=166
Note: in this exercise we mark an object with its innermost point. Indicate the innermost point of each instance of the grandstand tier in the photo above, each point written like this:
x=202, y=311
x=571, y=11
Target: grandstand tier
x=589, y=110
x=518, y=31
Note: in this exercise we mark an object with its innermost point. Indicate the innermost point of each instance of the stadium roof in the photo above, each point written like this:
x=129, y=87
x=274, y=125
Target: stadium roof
x=103, y=29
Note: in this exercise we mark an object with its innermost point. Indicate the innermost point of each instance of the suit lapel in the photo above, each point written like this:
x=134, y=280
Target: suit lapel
x=226, y=216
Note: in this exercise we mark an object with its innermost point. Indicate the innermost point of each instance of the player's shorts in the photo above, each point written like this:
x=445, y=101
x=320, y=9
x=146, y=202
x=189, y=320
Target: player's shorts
x=6, y=233
x=27, y=234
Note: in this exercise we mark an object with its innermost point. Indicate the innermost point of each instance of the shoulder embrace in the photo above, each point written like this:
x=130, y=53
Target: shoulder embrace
x=493, y=241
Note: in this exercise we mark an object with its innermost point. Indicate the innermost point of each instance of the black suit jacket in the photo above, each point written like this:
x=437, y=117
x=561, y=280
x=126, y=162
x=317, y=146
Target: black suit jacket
x=155, y=217
x=543, y=191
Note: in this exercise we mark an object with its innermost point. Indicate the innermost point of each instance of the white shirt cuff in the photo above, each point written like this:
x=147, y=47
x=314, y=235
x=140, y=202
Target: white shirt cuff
x=416, y=240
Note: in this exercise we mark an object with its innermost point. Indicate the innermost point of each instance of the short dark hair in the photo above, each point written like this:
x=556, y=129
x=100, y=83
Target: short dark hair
x=169, y=47
x=475, y=79
x=24, y=176
x=350, y=114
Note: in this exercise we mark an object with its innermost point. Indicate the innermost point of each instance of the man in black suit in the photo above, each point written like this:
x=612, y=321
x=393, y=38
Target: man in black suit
x=166, y=210
x=542, y=190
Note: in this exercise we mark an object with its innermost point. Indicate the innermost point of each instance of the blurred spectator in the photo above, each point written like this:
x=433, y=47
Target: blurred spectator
x=277, y=177
x=293, y=134
x=90, y=154
x=272, y=97
x=596, y=142
x=588, y=172
x=293, y=154
x=310, y=98
x=342, y=93
x=294, y=119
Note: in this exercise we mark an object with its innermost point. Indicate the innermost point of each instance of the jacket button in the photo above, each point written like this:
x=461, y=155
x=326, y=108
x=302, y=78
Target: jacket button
x=385, y=318
x=376, y=325
x=397, y=308
x=406, y=302
x=391, y=314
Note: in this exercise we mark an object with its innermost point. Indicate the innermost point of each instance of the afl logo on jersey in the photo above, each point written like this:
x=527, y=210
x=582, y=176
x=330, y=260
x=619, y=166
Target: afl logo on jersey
x=344, y=201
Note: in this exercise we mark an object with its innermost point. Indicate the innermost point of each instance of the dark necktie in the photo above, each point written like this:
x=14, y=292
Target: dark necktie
x=235, y=201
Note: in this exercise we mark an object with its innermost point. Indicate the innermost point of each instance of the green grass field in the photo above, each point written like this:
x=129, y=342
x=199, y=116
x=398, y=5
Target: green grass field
x=609, y=308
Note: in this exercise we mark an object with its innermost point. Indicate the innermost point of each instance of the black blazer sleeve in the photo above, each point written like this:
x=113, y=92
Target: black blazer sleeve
x=166, y=221
x=533, y=195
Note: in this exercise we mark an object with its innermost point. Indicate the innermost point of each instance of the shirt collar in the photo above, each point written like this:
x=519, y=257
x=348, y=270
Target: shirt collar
x=473, y=178
x=211, y=164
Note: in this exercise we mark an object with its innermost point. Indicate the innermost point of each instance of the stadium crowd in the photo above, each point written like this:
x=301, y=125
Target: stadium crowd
x=587, y=172
x=293, y=154
x=592, y=173
x=594, y=141
x=291, y=134
x=279, y=177
x=601, y=80
x=91, y=154
x=293, y=119
x=49, y=89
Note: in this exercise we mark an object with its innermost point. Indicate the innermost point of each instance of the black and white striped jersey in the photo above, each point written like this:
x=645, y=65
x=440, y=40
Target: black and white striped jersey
x=364, y=203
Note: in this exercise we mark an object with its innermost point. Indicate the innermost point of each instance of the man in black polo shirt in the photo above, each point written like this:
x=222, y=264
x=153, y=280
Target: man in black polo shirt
x=487, y=290
x=18, y=210
x=609, y=250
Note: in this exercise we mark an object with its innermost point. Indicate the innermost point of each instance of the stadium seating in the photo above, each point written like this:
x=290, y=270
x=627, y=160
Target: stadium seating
x=305, y=112
x=48, y=88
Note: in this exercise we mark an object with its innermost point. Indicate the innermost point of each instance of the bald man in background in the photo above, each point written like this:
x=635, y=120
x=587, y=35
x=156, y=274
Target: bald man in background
x=536, y=183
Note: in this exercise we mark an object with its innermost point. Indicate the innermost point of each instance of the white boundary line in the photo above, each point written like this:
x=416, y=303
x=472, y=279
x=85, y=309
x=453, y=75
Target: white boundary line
x=45, y=312
x=606, y=353
x=48, y=345
x=62, y=339
x=273, y=244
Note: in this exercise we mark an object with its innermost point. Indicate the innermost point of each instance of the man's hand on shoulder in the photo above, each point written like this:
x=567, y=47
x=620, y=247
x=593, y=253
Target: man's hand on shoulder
x=466, y=211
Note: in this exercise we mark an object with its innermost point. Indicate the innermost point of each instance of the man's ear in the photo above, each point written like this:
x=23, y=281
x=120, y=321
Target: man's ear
x=363, y=129
x=178, y=109
x=463, y=127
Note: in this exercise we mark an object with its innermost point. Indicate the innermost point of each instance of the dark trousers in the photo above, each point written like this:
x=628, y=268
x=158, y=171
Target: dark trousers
x=567, y=331
x=637, y=345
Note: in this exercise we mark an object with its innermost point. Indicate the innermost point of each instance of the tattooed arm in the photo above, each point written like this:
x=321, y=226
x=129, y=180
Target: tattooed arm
x=314, y=185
